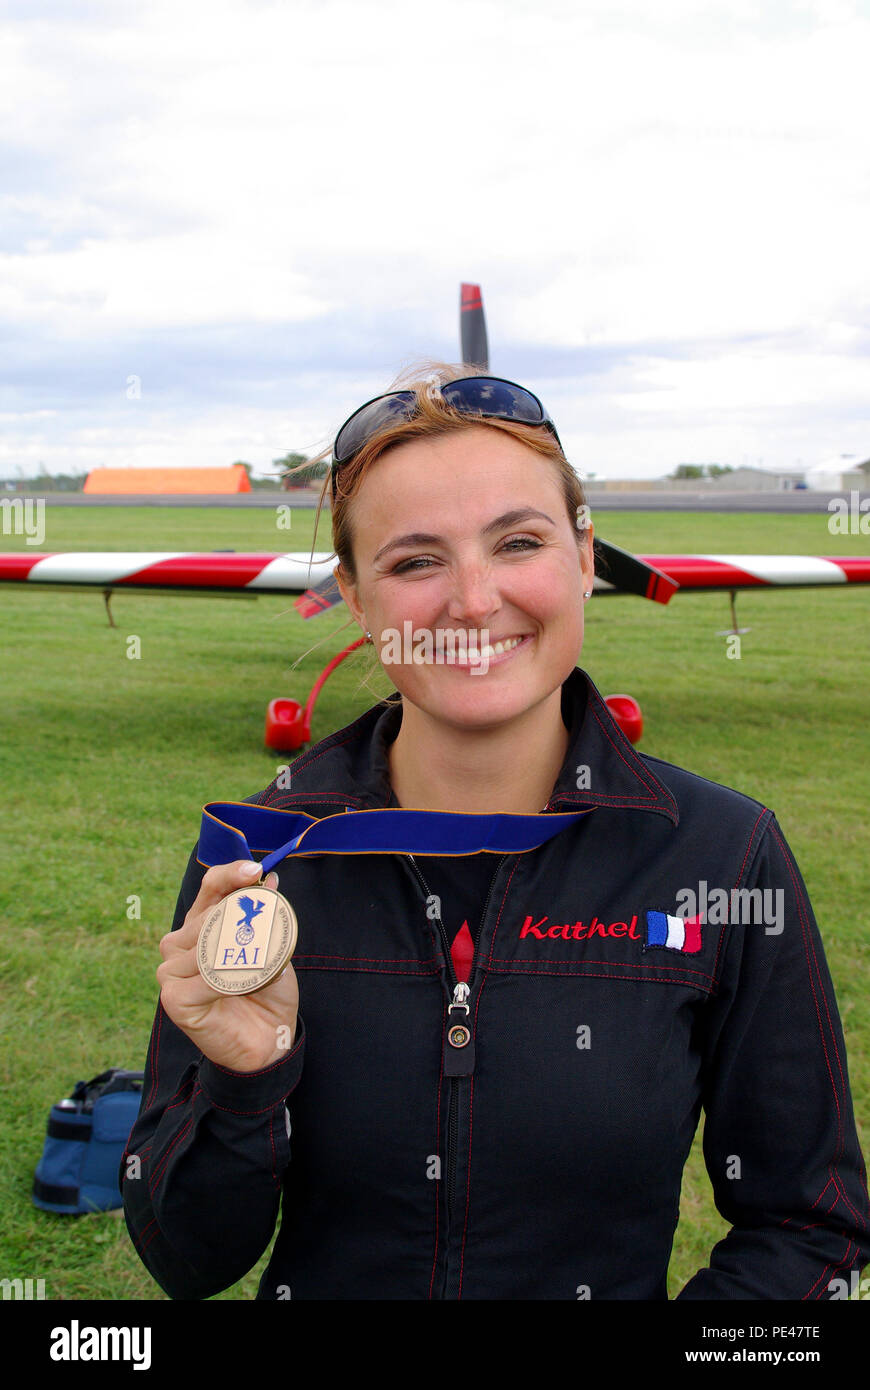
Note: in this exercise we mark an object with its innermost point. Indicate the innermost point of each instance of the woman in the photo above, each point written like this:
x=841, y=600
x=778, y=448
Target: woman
x=504, y=1055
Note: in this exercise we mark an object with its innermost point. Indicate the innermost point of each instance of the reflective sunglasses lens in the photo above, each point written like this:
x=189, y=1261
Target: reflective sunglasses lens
x=368, y=420
x=489, y=396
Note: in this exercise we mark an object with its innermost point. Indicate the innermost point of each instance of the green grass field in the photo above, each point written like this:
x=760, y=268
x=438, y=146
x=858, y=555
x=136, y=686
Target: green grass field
x=106, y=762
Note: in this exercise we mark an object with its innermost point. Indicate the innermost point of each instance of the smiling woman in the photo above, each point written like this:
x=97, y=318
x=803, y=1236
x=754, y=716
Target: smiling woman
x=501, y=563
x=506, y=1046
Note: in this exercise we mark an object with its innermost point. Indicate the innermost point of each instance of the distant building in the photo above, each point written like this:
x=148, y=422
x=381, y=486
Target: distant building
x=738, y=480
x=756, y=480
x=839, y=473
x=168, y=480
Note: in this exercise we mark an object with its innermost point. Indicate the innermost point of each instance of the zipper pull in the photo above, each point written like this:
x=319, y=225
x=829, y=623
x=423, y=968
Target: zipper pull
x=459, y=1042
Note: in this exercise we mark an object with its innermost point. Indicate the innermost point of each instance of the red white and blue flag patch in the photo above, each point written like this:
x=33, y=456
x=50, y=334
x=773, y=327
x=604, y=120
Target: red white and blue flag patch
x=676, y=933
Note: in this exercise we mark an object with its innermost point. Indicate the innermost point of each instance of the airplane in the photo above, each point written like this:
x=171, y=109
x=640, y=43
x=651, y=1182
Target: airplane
x=246, y=575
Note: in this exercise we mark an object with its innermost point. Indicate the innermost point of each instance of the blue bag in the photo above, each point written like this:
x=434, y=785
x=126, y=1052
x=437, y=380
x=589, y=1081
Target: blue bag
x=85, y=1141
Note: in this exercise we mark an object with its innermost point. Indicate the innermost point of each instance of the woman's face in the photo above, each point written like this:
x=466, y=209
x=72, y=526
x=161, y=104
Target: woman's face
x=466, y=537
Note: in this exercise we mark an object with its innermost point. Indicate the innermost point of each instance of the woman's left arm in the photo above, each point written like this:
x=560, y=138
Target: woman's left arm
x=780, y=1141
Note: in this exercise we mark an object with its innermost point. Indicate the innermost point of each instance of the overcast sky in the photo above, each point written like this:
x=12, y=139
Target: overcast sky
x=263, y=211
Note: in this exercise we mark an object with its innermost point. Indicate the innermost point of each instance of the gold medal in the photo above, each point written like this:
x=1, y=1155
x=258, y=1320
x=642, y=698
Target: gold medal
x=246, y=940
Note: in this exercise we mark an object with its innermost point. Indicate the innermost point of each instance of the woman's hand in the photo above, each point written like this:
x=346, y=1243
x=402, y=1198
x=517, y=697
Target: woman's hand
x=243, y=1032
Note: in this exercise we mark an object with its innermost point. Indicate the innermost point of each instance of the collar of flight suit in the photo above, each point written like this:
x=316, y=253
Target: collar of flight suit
x=601, y=768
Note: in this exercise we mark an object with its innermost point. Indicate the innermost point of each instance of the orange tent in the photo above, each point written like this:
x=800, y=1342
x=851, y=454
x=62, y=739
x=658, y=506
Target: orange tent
x=165, y=480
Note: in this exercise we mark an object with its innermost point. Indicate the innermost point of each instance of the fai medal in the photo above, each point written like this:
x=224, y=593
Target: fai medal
x=246, y=940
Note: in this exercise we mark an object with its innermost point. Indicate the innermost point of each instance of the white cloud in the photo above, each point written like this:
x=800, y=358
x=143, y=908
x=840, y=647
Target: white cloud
x=618, y=177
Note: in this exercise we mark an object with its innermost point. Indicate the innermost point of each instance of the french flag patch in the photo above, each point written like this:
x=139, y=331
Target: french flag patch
x=677, y=933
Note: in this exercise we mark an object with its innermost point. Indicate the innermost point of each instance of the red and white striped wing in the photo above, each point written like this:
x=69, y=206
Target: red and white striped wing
x=760, y=571
x=296, y=572
x=255, y=573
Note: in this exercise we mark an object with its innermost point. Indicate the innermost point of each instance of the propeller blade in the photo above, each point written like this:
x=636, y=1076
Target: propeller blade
x=612, y=564
x=319, y=599
x=625, y=571
x=472, y=328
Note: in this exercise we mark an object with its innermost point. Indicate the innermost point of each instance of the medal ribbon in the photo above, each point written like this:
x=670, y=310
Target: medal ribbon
x=237, y=830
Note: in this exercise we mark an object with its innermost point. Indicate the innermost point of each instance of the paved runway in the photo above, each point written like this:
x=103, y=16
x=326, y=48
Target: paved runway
x=700, y=501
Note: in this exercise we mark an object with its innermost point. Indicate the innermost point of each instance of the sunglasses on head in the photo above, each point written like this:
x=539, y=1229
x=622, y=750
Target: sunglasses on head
x=489, y=397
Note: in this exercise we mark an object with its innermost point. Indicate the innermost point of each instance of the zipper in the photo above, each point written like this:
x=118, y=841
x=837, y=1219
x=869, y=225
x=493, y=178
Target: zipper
x=458, y=1053
x=448, y=959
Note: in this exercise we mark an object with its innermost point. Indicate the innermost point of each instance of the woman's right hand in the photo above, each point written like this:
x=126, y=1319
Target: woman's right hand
x=243, y=1032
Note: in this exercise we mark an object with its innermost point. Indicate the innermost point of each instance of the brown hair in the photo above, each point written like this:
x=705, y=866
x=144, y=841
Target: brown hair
x=433, y=417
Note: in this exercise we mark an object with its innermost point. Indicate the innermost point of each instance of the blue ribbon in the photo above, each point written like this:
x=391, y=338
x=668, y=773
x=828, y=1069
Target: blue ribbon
x=237, y=830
